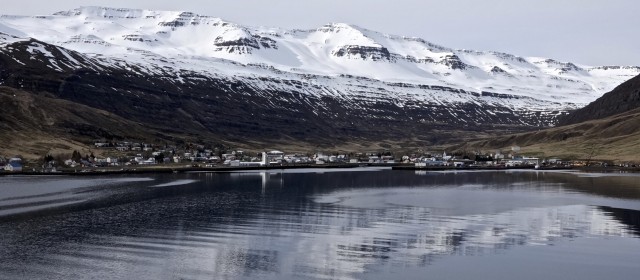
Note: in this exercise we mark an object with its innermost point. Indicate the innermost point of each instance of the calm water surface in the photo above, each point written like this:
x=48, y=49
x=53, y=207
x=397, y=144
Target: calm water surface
x=322, y=224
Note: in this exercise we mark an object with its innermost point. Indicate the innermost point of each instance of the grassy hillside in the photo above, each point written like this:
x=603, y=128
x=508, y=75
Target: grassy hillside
x=613, y=138
x=33, y=125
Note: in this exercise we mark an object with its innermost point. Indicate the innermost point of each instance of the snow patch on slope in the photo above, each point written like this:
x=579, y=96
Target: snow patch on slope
x=346, y=60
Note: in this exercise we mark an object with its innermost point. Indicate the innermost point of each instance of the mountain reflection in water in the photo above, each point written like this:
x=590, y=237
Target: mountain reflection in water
x=350, y=224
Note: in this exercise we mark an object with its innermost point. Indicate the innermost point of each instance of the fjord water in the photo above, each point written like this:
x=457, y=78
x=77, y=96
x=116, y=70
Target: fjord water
x=322, y=224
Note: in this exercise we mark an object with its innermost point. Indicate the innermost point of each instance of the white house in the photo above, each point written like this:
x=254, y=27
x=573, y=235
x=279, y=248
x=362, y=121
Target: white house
x=149, y=161
x=321, y=157
x=514, y=162
x=101, y=144
x=445, y=157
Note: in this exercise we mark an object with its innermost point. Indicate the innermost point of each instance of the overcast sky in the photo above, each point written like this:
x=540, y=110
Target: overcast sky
x=592, y=32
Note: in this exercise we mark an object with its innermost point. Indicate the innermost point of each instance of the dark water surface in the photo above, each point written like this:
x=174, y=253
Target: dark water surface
x=322, y=224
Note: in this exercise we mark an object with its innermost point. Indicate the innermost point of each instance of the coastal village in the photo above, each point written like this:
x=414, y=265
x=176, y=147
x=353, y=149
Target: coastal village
x=127, y=155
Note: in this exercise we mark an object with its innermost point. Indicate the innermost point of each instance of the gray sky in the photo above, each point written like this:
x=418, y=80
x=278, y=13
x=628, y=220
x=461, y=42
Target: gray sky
x=593, y=32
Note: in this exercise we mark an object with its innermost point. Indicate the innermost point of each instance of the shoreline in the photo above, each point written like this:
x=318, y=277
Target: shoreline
x=577, y=168
x=169, y=169
x=403, y=167
x=445, y=168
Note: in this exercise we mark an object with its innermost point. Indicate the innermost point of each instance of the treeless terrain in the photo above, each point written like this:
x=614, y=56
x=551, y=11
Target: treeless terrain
x=34, y=125
x=614, y=138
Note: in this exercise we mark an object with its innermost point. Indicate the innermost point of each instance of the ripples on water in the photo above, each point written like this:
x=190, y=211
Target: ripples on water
x=331, y=225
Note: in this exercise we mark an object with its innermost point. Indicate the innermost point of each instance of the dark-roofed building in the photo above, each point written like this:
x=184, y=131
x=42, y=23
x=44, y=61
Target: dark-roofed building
x=13, y=166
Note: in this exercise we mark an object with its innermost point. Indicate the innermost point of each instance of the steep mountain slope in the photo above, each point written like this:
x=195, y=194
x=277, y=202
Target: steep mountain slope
x=623, y=98
x=33, y=125
x=612, y=137
x=179, y=73
x=191, y=42
x=226, y=108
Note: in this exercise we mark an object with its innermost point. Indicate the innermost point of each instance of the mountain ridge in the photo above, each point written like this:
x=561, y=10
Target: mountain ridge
x=179, y=73
x=623, y=98
x=332, y=49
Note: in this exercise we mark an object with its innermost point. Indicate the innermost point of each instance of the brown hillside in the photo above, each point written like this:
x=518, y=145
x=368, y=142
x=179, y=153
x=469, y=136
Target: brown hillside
x=613, y=138
x=33, y=125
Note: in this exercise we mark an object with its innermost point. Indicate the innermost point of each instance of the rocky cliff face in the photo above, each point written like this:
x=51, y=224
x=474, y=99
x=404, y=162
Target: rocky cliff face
x=373, y=53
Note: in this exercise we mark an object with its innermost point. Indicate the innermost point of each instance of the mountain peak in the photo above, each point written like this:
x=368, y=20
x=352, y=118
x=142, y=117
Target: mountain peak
x=145, y=37
x=97, y=11
x=338, y=26
x=343, y=34
x=344, y=28
x=127, y=13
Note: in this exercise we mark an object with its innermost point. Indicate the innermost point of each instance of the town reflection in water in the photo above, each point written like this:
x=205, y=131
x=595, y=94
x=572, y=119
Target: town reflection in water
x=322, y=225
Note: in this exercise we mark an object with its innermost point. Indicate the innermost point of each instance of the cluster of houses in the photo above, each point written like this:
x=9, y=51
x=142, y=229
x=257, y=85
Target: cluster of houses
x=497, y=159
x=154, y=155
x=125, y=146
x=208, y=158
x=237, y=158
x=278, y=158
x=132, y=153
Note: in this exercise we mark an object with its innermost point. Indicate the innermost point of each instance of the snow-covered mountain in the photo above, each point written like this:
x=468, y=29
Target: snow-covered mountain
x=337, y=66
